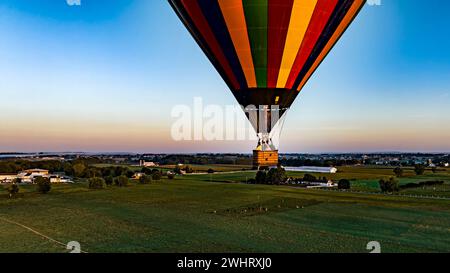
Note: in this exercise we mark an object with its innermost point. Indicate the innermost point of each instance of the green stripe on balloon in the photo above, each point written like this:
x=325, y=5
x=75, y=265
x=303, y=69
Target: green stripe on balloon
x=256, y=15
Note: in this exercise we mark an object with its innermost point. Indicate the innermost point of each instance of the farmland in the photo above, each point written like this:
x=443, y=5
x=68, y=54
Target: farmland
x=217, y=213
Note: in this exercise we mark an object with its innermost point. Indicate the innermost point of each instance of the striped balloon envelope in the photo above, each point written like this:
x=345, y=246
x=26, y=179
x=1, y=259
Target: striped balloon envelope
x=266, y=50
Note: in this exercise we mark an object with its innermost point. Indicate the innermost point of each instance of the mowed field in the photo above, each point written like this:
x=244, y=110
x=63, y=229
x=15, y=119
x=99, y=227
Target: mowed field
x=207, y=213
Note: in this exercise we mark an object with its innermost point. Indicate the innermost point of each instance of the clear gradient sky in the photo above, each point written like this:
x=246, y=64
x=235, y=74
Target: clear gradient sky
x=104, y=76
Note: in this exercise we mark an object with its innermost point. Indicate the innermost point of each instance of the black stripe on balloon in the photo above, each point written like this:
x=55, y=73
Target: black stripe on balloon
x=213, y=14
x=336, y=18
x=189, y=24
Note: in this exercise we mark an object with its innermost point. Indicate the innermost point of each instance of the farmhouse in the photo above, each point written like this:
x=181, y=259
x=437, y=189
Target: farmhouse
x=28, y=176
x=7, y=178
x=143, y=163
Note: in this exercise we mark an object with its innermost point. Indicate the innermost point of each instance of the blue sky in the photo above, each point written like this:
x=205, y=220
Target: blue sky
x=104, y=76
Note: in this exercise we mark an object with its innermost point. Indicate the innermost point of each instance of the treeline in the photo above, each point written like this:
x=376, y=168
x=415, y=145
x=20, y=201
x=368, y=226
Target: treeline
x=317, y=162
x=205, y=159
x=15, y=166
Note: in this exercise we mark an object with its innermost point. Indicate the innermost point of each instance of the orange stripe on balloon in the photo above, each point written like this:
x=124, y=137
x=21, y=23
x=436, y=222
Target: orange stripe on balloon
x=302, y=11
x=321, y=16
x=351, y=14
x=233, y=13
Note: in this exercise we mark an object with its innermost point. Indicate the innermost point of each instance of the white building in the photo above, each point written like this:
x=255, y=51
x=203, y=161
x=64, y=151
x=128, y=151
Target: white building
x=311, y=169
x=143, y=163
x=7, y=178
x=28, y=176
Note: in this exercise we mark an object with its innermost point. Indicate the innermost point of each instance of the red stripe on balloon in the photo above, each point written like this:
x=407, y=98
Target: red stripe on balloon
x=319, y=20
x=279, y=18
x=193, y=9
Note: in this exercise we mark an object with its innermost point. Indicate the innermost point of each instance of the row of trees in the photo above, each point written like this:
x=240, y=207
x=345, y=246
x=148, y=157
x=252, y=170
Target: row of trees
x=418, y=170
x=123, y=180
x=17, y=165
x=275, y=176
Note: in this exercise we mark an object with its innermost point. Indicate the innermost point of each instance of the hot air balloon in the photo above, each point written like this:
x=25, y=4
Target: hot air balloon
x=266, y=51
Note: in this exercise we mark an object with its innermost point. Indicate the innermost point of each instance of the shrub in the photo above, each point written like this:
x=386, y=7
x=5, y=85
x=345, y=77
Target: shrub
x=171, y=175
x=309, y=178
x=398, y=172
x=129, y=173
x=121, y=181
x=389, y=186
x=261, y=177
x=145, y=179
x=188, y=169
x=211, y=171
x=43, y=184
x=97, y=183
x=13, y=190
x=344, y=184
x=146, y=170
x=109, y=180
x=419, y=169
x=156, y=175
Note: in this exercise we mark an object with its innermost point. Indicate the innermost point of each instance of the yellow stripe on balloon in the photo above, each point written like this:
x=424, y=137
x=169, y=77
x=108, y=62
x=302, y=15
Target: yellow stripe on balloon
x=353, y=11
x=233, y=12
x=302, y=11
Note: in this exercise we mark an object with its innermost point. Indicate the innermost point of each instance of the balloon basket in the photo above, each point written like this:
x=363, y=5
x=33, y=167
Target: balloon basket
x=263, y=159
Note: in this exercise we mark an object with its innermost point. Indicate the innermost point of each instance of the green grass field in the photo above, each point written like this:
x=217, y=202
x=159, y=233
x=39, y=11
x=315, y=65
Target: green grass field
x=191, y=214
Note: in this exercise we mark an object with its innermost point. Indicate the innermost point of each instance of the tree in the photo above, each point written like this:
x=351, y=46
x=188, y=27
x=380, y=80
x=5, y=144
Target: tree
x=145, y=179
x=146, y=170
x=121, y=181
x=129, y=173
x=17, y=180
x=344, y=184
x=43, y=184
x=109, y=180
x=398, y=172
x=276, y=176
x=188, y=169
x=177, y=169
x=261, y=177
x=97, y=183
x=156, y=175
x=389, y=186
x=92, y=172
x=13, y=189
x=309, y=178
x=78, y=169
x=419, y=169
